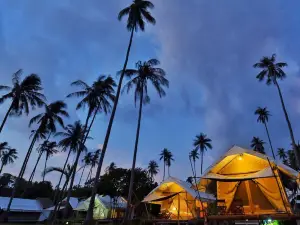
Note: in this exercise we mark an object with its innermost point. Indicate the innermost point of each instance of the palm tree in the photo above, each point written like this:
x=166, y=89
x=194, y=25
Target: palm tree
x=163, y=156
x=112, y=166
x=137, y=14
x=202, y=143
x=86, y=162
x=258, y=145
x=263, y=117
x=3, y=146
x=46, y=124
x=72, y=137
x=153, y=169
x=272, y=71
x=194, y=155
x=292, y=160
x=8, y=156
x=169, y=159
x=139, y=77
x=22, y=94
x=282, y=155
x=190, y=180
x=93, y=163
x=98, y=98
x=50, y=150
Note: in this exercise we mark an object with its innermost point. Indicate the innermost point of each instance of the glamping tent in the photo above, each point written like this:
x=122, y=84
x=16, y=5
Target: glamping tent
x=247, y=182
x=73, y=202
x=105, y=207
x=178, y=200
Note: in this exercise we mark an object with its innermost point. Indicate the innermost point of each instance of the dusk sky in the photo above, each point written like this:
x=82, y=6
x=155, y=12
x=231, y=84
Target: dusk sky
x=207, y=49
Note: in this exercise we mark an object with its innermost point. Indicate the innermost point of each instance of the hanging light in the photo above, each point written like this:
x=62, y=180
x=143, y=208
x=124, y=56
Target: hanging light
x=240, y=157
x=174, y=208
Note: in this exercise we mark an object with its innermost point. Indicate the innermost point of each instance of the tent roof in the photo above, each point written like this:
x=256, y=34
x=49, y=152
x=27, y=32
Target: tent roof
x=235, y=151
x=21, y=204
x=73, y=201
x=45, y=202
x=152, y=196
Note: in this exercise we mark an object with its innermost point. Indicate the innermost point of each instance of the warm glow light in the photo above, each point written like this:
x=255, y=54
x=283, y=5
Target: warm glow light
x=174, y=209
x=240, y=157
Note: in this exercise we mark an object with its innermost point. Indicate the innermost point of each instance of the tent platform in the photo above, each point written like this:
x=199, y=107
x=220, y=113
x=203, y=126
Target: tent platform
x=282, y=216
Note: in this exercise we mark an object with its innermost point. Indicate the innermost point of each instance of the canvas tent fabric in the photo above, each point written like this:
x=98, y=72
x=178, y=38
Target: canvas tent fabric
x=73, y=203
x=178, y=199
x=251, y=178
x=104, y=206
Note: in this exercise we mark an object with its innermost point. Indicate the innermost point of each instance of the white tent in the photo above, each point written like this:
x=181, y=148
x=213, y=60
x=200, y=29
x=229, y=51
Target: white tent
x=73, y=203
x=178, y=199
x=21, y=205
x=104, y=206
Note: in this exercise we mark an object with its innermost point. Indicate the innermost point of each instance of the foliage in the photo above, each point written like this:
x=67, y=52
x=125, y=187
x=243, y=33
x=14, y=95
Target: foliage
x=258, y=145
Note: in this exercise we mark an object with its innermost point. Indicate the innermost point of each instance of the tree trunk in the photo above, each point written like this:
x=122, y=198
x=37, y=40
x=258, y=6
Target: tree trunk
x=2, y=165
x=34, y=169
x=270, y=140
x=164, y=170
x=168, y=171
x=192, y=166
x=6, y=116
x=201, y=161
x=89, y=175
x=21, y=173
x=89, y=216
x=81, y=175
x=45, y=167
x=195, y=168
x=128, y=211
x=289, y=124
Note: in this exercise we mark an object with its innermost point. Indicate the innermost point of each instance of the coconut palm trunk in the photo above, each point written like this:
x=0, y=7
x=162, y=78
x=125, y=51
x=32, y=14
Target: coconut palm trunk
x=2, y=165
x=81, y=175
x=202, y=161
x=269, y=139
x=45, y=168
x=89, y=215
x=6, y=116
x=191, y=165
x=164, y=170
x=289, y=123
x=128, y=211
x=34, y=169
x=22, y=171
x=89, y=175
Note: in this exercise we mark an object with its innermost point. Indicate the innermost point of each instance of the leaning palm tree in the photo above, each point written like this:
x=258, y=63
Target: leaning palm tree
x=8, y=156
x=50, y=150
x=292, y=160
x=193, y=156
x=202, y=143
x=169, y=159
x=263, y=117
x=145, y=72
x=258, y=145
x=98, y=98
x=3, y=146
x=137, y=14
x=163, y=156
x=86, y=162
x=93, y=163
x=22, y=94
x=46, y=122
x=71, y=140
x=272, y=71
x=282, y=155
x=152, y=169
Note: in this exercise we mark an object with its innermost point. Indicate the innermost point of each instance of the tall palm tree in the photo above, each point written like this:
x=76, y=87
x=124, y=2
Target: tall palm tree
x=50, y=150
x=112, y=166
x=8, y=156
x=202, y=143
x=93, y=163
x=163, y=156
x=258, y=145
x=23, y=94
x=98, y=98
x=194, y=155
x=86, y=162
x=137, y=13
x=46, y=124
x=263, y=117
x=282, y=155
x=272, y=71
x=169, y=159
x=153, y=169
x=292, y=160
x=3, y=146
x=139, y=77
x=71, y=140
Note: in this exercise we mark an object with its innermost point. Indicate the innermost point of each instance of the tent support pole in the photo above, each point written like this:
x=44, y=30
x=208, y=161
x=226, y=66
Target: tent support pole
x=278, y=186
x=178, y=214
x=249, y=196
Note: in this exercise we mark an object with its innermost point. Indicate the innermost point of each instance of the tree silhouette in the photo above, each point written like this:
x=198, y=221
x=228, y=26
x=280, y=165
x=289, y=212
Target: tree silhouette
x=258, y=145
x=202, y=143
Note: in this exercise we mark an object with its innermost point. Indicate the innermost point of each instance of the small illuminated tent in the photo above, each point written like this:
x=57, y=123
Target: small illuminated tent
x=253, y=179
x=104, y=207
x=177, y=199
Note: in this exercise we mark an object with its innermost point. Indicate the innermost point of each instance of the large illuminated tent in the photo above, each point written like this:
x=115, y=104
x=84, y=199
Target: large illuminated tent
x=251, y=178
x=177, y=199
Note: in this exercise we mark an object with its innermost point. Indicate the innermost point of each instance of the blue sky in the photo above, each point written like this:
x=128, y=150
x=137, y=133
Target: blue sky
x=206, y=47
